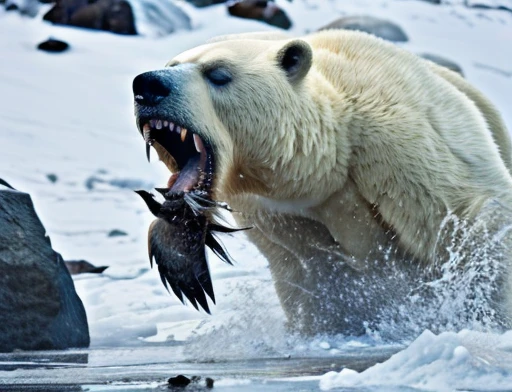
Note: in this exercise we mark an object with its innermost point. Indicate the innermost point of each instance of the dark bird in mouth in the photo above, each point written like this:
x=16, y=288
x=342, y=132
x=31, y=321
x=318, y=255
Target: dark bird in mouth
x=178, y=239
x=189, y=219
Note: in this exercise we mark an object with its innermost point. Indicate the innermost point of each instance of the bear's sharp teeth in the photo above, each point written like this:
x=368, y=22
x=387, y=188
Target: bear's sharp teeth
x=198, y=143
x=152, y=123
x=183, y=134
x=159, y=124
x=171, y=126
x=166, y=123
x=146, y=132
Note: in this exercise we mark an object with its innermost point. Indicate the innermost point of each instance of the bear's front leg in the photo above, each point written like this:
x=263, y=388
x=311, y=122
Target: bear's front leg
x=319, y=287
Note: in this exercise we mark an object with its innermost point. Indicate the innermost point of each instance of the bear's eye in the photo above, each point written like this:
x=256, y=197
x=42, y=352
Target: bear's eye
x=218, y=76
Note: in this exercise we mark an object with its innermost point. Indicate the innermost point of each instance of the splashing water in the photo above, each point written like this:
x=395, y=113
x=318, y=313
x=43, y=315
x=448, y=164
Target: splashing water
x=391, y=302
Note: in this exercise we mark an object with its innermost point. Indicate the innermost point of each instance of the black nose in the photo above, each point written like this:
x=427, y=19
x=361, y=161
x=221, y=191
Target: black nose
x=150, y=88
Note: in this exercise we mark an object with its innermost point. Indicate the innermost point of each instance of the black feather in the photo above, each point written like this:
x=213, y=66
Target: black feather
x=217, y=248
x=152, y=204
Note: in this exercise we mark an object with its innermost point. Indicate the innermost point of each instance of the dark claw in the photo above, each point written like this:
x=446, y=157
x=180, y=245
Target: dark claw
x=148, y=152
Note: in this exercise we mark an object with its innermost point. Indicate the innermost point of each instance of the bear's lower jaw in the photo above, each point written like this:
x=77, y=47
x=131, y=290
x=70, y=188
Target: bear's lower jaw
x=189, y=158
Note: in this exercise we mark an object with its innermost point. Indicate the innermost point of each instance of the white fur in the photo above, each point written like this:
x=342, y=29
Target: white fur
x=370, y=149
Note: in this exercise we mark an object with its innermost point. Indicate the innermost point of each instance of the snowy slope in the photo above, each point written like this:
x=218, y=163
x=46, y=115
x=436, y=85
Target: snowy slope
x=71, y=115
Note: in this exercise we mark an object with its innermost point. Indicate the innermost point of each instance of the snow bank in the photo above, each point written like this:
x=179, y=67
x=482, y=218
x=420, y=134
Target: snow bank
x=450, y=361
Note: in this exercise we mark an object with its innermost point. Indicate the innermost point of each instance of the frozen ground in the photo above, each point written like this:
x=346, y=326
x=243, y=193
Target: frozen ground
x=71, y=115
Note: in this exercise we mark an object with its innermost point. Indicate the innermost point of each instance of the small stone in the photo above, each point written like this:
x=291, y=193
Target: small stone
x=117, y=233
x=52, y=178
x=53, y=46
x=379, y=27
x=76, y=267
x=179, y=381
x=443, y=62
x=205, y=3
x=209, y=382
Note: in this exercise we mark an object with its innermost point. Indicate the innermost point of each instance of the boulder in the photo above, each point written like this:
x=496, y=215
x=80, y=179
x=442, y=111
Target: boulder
x=265, y=11
x=443, y=61
x=115, y=16
x=24, y=7
x=146, y=17
x=39, y=307
x=379, y=27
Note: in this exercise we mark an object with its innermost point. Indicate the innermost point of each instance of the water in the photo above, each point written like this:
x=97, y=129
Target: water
x=148, y=368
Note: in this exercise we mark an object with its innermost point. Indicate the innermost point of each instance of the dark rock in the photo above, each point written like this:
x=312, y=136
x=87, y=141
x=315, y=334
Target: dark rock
x=39, y=308
x=53, y=46
x=24, y=7
x=123, y=183
x=52, y=178
x=119, y=18
x=265, y=11
x=379, y=27
x=110, y=15
x=76, y=267
x=503, y=5
x=117, y=233
x=205, y=3
x=179, y=381
x=443, y=61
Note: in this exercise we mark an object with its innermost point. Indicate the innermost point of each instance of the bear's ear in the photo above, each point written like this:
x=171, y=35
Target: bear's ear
x=295, y=59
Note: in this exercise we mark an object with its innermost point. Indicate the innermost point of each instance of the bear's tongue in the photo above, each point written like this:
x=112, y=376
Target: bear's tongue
x=187, y=178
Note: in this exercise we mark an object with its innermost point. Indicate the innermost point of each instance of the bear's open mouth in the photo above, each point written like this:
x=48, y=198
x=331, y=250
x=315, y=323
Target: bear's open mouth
x=192, y=155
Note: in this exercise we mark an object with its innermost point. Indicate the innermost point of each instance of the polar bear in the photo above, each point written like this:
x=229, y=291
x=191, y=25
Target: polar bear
x=345, y=154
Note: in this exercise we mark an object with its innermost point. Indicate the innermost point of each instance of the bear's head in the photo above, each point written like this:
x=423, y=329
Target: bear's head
x=237, y=115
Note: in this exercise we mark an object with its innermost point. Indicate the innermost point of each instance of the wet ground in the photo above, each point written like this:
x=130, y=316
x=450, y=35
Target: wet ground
x=149, y=368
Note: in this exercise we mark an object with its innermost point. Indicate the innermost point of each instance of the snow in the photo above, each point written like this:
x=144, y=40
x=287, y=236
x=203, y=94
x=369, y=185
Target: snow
x=449, y=361
x=71, y=115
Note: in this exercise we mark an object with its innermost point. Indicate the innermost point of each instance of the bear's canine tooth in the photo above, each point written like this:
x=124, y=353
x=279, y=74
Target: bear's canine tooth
x=183, y=134
x=198, y=143
x=159, y=124
x=146, y=131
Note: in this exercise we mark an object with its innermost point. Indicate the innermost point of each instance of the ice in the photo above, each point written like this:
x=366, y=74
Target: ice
x=449, y=361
